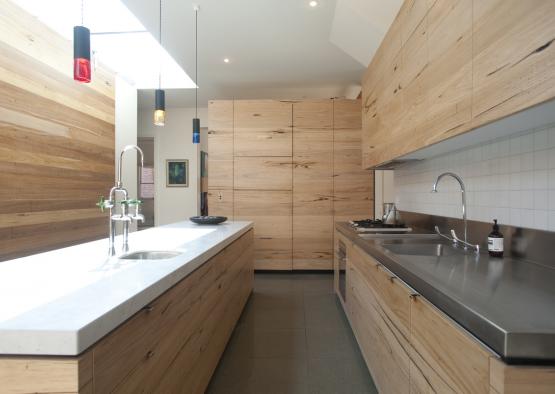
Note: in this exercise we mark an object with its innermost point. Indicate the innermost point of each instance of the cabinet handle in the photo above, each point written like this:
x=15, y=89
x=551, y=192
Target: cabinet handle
x=148, y=308
x=413, y=295
x=150, y=354
x=392, y=276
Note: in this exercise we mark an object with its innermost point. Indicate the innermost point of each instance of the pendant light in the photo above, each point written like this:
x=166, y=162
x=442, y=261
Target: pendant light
x=81, y=52
x=196, y=120
x=159, y=94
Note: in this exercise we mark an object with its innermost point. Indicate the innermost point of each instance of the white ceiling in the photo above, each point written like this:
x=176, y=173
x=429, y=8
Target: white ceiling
x=277, y=48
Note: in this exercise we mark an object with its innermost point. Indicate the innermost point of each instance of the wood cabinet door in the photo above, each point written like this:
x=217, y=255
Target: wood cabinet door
x=263, y=173
x=514, y=56
x=262, y=128
x=313, y=184
x=220, y=144
x=385, y=355
x=220, y=202
x=271, y=212
x=448, y=359
x=353, y=187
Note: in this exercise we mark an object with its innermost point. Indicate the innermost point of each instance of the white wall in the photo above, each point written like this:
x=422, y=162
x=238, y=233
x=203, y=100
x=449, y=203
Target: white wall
x=174, y=141
x=126, y=133
x=511, y=179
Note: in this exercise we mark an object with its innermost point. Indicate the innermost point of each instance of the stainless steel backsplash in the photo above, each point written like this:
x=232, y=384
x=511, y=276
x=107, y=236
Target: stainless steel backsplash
x=529, y=244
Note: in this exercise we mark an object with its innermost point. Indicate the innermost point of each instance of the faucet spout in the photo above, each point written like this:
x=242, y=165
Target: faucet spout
x=120, y=162
x=463, y=194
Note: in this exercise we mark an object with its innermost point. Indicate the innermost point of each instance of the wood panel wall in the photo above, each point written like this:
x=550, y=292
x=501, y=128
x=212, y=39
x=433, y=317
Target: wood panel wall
x=292, y=167
x=56, y=140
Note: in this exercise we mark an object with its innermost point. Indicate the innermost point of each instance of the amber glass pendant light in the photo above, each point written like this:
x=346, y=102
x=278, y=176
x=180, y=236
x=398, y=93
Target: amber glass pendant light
x=81, y=52
x=196, y=120
x=159, y=94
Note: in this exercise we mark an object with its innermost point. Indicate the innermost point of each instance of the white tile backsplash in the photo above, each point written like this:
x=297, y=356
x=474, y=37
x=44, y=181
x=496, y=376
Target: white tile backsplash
x=512, y=180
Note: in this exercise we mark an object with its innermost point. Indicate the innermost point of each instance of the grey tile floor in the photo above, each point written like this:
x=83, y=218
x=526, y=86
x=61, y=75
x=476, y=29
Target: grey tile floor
x=292, y=337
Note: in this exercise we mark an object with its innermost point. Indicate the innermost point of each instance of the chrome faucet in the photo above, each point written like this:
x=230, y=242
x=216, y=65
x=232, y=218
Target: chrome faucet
x=124, y=215
x=454, y=238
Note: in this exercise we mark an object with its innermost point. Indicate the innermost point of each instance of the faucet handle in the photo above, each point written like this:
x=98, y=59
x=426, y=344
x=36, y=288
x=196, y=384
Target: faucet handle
x=104, y=204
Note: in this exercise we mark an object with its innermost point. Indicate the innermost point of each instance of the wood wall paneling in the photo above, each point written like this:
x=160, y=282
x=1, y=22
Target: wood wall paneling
x=56, y=140
x=263, y=173
x=313, y=184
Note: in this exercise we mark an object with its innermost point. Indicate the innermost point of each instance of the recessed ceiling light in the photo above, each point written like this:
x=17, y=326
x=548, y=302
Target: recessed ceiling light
x=226, y=60
x=313, y=3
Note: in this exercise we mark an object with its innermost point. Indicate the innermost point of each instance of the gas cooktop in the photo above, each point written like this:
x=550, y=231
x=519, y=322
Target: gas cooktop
x=372, y=225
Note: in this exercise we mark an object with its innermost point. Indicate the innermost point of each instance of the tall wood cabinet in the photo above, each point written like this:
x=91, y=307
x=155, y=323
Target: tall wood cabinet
x=446, y=67
x=292, y=167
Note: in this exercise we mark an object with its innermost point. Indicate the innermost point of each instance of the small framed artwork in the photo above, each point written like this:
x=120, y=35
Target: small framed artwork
x=177, y=173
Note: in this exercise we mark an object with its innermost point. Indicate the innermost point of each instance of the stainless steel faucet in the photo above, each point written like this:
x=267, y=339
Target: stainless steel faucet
x=454, y=238
x=124, y=215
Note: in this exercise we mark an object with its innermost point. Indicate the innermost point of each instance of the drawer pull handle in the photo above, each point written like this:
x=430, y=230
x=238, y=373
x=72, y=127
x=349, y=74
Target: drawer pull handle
x=150, y=354
x=413, y=296
x=148, y=308
x=392, y=278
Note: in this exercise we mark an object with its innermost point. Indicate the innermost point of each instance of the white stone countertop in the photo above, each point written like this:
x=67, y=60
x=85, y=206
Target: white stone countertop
x=63, y=301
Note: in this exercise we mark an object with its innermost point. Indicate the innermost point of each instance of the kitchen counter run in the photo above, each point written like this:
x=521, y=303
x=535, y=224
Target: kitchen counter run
x=508, y=304
x=63, y=301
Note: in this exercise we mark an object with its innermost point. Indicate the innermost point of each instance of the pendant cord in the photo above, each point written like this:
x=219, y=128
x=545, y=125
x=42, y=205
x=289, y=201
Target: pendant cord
x=196, y=63
x=82, y=13
x=160, y=41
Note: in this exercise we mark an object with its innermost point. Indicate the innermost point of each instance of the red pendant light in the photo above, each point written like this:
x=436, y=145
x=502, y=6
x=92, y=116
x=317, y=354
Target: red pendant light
x=81, y=52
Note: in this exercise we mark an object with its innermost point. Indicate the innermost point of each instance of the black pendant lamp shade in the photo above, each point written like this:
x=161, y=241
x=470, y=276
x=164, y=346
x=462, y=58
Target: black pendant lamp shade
x=159, y=107
x=196, y=130
x=81, y=54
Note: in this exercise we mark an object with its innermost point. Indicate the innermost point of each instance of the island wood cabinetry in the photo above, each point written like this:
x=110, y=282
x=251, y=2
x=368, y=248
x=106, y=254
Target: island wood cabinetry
x=410, y=346
x=172, y=345
x=291, y=167
x=446, y=67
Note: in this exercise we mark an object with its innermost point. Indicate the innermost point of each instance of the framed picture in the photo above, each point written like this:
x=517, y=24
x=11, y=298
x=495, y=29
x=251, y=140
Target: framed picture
x=177, y=173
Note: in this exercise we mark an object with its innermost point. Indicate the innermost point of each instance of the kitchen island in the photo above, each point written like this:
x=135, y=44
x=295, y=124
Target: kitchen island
x=74, y=320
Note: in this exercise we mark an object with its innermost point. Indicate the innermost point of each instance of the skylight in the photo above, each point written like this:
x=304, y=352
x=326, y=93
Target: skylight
x=118, y=40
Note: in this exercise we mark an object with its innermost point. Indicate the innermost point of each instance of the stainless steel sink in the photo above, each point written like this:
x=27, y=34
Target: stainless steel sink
x=423, y=249
x=150, y=255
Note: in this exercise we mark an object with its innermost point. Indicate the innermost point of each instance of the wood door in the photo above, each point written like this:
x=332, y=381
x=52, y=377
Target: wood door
x=313, y=184
x=353, y=187
x=271, y=211
x=263, y=128
x=513, y=56
x=446, y=357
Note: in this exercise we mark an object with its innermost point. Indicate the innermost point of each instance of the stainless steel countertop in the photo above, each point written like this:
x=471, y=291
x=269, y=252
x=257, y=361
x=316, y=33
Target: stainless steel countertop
x=506, y=303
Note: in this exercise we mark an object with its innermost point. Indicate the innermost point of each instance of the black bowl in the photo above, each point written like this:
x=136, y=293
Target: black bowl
x=208, y=219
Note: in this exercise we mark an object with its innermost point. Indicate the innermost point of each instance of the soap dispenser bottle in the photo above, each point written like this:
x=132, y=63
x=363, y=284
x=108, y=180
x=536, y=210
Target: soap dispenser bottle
x=495, y=241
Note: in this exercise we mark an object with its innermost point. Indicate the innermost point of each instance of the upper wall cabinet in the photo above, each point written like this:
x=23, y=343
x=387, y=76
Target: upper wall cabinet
x=448, y=66
x=263, y=128
x=514, y=56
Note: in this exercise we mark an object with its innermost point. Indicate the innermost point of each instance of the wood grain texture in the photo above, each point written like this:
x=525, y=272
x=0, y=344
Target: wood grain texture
x=271, y=211
x=56, y=140
x=307, y=150
x=220, y=202
x=262, y=128
x=313, y=184
x=514, y=56
x=449, y=359
x=521, y=379
x=262, y=173
x=353, y=187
